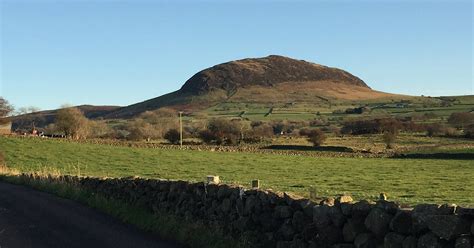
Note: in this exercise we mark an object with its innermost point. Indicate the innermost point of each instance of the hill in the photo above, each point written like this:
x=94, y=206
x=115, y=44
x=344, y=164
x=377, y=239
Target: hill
x=273, y=79
x=43, y=118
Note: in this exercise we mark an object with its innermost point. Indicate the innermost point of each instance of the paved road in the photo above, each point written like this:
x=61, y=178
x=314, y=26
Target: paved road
x=30, y=218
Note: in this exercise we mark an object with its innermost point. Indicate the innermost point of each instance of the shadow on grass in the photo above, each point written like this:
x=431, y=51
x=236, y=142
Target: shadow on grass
x=309, y=148
x=457, y=156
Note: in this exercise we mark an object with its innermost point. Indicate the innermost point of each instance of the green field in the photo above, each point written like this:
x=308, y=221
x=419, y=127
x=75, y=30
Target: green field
x=307, y=111
x=405, y=180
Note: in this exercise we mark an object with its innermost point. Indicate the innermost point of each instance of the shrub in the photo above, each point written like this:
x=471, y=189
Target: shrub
x=434, y=129
x=315, y=136
x=173, y=136
x=139, y=129
x=469, y=132
x=208, y=137
x=72, y=123
x=221, y=131
x=461, y=120
x=371, y=126
x=99, y=129
x=389, y=138
x=258, y=133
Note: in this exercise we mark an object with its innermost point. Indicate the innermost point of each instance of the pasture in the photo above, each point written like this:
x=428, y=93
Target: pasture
x=408, y=181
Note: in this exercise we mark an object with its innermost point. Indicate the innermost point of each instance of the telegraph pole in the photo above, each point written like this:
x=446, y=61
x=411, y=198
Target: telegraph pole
x=181, y=129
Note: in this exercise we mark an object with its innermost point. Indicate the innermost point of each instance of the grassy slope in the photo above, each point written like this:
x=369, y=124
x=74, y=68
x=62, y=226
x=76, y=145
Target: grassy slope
x=408, y=181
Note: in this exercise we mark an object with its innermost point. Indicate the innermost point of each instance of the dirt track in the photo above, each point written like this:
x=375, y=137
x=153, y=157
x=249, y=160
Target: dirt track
x=29, y=218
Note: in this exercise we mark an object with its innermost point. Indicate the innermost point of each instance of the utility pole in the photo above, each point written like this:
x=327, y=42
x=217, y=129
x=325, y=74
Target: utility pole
x=181, y=129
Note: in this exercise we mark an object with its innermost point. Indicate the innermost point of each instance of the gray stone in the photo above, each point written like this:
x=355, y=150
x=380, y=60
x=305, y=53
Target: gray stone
x=329, y=201
x=365, y=240
x=308, y=210
x=465, y=211
x=292, y=199
x=426, y=208
x=226, y=205
x=343, y=199
x=286, y=232
x=388, y=206
x=337, y=218
x=409, y=242
x=352, y=228
x=250, y=204
x=267, y=221
x=463, y=242
x=309, y=232
x=402, y=222
x=429, y=240
x=283, y=212
x=321, y=216
x=346, y=208
x=448, y=226
x=243, y=224
x=283, y=244
x=361, y=208
x=472, y=228
x=436, y=209
x=343, y=246
x=299, y=221
x=223, y=192
x=378, y=222
x=393, y=240
x=298, y=243
x=329, y=235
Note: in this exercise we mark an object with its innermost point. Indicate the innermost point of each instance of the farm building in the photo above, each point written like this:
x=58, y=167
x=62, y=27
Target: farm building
x=5, y=127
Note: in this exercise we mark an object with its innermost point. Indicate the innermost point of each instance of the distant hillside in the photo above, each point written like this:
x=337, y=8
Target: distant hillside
x=272, y=79
x=42, y=118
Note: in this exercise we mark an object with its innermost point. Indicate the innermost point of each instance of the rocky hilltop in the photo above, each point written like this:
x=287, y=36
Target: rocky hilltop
x=265, y=72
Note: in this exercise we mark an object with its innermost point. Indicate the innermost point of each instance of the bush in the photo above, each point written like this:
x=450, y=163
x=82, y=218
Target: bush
x=389, y=138
x=221, y=131
x=258, y=133
x=72, y=123
x=371, y=126
x=315, y=136
x=469, y=132
x=461, y=120
x=434, y=129
x=173, y=136
x=139, y=129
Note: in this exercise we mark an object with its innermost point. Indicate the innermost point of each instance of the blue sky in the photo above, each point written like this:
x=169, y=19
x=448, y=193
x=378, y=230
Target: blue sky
x=121, y=52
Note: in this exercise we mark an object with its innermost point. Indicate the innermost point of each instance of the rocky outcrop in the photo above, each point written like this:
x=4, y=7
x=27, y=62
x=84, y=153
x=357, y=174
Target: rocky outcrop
x=284, y=220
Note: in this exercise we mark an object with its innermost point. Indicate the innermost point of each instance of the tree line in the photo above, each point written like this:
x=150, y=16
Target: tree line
x=164, y=124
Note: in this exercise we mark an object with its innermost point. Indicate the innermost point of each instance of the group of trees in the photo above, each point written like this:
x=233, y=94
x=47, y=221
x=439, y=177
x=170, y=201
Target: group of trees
x=152, y=124
x=163, y=123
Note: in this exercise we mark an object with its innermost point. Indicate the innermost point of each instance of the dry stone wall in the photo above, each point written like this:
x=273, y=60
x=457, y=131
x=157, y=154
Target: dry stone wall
x=283, y=220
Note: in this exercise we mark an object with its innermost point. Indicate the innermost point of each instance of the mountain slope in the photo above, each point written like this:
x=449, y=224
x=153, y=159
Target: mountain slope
x=43, y=118
x=272, y=79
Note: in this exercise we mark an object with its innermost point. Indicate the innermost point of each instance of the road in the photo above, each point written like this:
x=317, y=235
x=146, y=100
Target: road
x=30, y=218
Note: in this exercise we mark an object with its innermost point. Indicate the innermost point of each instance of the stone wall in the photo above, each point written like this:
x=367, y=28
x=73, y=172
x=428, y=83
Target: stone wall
x=283, y=220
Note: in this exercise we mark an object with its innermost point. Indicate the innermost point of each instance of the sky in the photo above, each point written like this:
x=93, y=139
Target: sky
x=106, y=52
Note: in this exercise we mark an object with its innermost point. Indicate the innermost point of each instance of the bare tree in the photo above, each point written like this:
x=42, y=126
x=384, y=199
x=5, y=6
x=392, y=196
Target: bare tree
x=5, y=107
x=26, y=110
